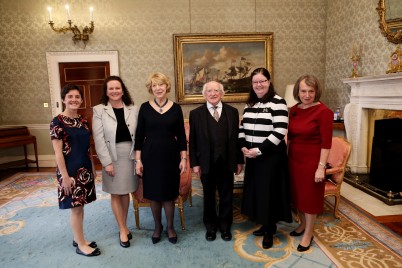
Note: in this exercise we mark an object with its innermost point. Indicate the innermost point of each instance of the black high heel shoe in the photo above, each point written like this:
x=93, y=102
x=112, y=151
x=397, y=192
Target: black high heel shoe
x=156, y=239
x=92, y=244
x=124, y=244
x=172, y=239
x=301, y=248
x=294, y=233
x=96, y=252
x=129, y=236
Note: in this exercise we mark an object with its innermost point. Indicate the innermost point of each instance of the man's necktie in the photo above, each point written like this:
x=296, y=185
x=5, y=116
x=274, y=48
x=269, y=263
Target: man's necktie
x=216, y=114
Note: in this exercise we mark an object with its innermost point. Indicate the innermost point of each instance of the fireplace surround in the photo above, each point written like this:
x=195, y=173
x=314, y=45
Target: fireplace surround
x=373, y=92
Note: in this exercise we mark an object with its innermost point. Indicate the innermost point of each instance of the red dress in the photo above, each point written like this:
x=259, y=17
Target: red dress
x=309, y=130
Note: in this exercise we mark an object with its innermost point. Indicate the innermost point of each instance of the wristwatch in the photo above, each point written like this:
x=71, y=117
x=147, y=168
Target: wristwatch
x=259, y=152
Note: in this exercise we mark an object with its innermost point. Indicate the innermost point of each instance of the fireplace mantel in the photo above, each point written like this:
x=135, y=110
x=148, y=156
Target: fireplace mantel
x=372, y=92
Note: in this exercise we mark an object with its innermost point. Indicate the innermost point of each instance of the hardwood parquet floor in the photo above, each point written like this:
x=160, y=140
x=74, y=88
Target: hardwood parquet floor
x=392, y=222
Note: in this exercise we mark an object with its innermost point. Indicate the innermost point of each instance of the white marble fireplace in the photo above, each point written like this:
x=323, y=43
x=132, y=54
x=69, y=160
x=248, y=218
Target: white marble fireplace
x=374, y=92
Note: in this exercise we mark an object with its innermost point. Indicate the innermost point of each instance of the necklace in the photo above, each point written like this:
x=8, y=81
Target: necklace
x=161, y=106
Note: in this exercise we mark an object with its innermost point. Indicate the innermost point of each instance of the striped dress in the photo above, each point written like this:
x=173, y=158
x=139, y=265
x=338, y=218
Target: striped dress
x=266, y=193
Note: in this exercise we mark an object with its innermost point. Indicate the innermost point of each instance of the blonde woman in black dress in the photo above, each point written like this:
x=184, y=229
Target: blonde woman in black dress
x=161, y=152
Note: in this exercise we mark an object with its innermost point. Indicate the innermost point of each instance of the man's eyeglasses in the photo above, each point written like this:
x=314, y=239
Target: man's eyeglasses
x=259, y=82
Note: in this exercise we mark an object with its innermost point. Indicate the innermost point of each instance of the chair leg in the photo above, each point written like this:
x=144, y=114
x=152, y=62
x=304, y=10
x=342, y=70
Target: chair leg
x=136, y=213
x=36, y=156
x=181, y=212
x=26, y=156
x=336, y=214
x=190, y=197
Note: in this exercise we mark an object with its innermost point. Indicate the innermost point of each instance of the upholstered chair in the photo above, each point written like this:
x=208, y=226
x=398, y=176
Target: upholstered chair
x=338, y=159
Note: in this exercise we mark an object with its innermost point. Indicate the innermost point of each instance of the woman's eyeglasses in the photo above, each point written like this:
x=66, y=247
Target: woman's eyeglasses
x=259, y=82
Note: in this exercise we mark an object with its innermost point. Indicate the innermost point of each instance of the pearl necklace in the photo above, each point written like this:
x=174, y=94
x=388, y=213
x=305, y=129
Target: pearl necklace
x=161, y=106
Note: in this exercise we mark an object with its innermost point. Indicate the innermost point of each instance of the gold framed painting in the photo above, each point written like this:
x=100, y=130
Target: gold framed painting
x=226, y=58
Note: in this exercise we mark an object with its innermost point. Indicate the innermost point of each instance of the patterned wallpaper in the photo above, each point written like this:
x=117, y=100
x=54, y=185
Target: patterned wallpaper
x=351, y=22
x=143, y=37
x=310, y=36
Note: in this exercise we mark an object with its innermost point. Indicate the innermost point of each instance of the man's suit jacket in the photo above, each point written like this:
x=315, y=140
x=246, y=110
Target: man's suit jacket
x=200, y=141
x=104, y=125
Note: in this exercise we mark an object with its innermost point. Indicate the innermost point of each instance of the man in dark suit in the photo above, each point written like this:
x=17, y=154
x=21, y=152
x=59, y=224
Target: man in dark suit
x=215, y=156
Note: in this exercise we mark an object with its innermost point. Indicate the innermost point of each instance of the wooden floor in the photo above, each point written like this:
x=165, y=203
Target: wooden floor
x=393, y=222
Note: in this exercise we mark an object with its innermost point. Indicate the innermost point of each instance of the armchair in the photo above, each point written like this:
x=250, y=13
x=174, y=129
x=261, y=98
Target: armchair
x=338, y=159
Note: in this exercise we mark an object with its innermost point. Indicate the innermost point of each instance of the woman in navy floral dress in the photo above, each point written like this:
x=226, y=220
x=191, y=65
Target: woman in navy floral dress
x=70, y=134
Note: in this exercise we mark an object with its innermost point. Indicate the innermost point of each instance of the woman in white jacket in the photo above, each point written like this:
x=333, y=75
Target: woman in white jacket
x=114, y=124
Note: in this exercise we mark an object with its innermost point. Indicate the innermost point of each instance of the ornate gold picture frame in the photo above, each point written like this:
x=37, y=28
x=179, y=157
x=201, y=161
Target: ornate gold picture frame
x=226, y=58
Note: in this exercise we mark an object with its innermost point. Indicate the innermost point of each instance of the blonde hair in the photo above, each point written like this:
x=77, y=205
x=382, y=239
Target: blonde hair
x=157, y=78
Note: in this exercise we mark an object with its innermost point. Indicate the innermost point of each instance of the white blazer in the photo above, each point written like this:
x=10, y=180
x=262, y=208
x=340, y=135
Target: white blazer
x=104, y=125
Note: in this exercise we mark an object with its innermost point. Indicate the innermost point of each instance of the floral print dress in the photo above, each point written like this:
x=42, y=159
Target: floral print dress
x=75, y=134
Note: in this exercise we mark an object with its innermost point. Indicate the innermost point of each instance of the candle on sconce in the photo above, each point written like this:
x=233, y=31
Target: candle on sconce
x=91, y=13
x=68, y=12
x=50, y=13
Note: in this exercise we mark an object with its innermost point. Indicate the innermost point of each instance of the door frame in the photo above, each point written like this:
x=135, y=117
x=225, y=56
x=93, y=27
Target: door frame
x=53, y=59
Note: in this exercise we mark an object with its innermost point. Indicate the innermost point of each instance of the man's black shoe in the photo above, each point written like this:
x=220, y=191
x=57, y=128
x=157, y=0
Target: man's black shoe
x=210, y=235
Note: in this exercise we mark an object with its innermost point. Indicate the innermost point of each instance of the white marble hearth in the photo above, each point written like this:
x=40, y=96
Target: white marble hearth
x=374, y=92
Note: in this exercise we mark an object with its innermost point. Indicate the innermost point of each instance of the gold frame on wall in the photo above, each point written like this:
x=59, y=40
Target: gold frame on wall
x=227, y=58
x=391, y=30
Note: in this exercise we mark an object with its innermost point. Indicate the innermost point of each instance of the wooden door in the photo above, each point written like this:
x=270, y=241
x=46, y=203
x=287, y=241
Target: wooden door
x=89, y=76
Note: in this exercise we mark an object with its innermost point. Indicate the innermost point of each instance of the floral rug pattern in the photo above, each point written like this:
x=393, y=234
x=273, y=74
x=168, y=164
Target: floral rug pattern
x=354, y=240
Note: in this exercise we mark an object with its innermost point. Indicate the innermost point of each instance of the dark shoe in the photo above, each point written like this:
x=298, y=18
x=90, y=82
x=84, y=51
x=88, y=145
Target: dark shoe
x=294, y=233
x=156, y=239
x=129, y=236
x=268, y=241
x=210, y=235
x=260, y=232
x=226, y=235
x=173, y=239
x=124, y=244
x=301, y=248
x=96, y=252
x=92, y=244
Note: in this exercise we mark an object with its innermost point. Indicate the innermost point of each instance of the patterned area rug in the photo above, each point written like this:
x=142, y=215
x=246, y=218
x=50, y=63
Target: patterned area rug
x=354, y=240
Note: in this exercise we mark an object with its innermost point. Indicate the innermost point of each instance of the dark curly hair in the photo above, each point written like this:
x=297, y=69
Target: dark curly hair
x=126, y=95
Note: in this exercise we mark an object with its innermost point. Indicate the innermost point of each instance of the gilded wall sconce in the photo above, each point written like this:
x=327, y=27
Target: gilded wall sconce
x=78, y=35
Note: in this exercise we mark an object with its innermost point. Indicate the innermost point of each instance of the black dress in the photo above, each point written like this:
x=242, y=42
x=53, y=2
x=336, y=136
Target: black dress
x=75, y=133
x=160, y=138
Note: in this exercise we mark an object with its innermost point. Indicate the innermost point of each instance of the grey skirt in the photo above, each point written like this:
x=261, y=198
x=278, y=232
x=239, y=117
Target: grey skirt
x=124, y=180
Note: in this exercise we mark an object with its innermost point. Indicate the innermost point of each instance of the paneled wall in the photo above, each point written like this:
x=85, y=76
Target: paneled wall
x=310, y=36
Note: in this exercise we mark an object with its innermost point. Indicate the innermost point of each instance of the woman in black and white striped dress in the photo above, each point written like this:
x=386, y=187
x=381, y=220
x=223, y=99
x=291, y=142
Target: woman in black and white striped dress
x=266, y=193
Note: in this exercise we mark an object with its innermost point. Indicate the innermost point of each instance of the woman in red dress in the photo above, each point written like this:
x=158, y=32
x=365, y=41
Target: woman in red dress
x=309, y=142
